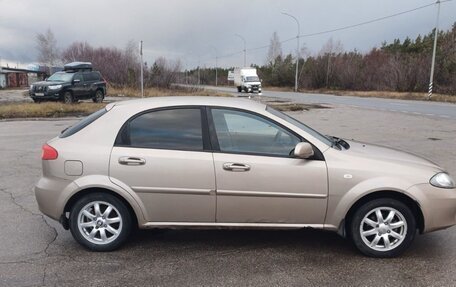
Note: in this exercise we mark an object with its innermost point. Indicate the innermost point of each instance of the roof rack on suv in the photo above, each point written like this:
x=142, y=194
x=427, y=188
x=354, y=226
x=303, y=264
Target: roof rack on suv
x=78, y=66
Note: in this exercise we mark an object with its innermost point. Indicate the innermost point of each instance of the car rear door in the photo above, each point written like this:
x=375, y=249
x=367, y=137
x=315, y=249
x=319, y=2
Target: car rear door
x=257, y=180
x=162, y=155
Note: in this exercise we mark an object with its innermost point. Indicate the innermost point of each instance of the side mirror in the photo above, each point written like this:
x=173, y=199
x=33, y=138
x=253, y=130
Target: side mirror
x=303, y=150
x=75, y=81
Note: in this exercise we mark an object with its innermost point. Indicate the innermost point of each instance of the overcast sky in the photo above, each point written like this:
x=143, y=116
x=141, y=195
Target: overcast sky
x=187, y=29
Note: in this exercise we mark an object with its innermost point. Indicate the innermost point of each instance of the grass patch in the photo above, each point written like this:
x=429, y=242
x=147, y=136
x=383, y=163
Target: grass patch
x=156, y=92
x=47, y=110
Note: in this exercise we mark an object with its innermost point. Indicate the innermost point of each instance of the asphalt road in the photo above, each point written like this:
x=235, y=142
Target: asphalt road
x=36, y=251
x=430, y=109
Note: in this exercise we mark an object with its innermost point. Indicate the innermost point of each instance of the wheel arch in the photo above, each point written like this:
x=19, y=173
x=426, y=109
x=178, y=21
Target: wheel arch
x=83, y=192
x=407, y=200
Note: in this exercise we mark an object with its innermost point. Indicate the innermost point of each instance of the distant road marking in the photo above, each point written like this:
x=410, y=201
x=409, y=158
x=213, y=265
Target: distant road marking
x=431, y=115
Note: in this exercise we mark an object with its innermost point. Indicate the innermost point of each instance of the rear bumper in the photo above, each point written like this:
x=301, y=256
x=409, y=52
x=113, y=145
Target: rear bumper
x=48, y=193
x=438, y=206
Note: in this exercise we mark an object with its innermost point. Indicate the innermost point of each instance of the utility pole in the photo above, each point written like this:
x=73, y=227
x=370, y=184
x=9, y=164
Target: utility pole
x=436, y=32
x=327, y=69
x=216, y=64
x=297, y=49
x=142, y=66
x=245, y=50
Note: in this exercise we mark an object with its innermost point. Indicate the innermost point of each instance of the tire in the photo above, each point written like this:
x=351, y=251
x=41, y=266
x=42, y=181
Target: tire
x=378, y=232
x=239, y=89
x=87, y=228
x=38, y=101
x=99, y=96
x=68, y=98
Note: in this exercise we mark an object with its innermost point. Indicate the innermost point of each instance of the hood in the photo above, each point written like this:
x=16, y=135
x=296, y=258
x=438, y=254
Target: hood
x=45, y=83
x=48, y=83
x=378, y=152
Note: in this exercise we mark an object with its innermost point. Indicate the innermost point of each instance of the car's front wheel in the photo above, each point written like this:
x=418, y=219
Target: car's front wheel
x=383, y=227
x=68, y=98
x=99, y=96
x=100, y=222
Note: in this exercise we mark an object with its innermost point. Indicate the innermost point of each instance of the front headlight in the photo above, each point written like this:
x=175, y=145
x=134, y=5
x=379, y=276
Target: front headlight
x=31, y=87
x=55, y=87
x=442, y=180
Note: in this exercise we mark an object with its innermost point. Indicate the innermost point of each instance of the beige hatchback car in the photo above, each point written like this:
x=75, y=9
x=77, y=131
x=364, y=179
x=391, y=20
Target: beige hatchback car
x=181, y=162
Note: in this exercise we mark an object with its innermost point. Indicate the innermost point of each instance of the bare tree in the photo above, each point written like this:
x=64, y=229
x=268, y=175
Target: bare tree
x=46, y=45
x=164, y=72
x=275, y=49
x=329, y=50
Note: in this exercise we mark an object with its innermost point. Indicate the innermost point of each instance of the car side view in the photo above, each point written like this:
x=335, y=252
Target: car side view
x=189, y=162
x=76, y=82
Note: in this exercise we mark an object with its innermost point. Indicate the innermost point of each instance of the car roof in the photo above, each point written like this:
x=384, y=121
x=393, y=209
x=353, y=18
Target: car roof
x=157, y=102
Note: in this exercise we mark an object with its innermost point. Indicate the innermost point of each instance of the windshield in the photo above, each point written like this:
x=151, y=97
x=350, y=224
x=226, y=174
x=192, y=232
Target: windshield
x=60, y=77
x=300, y=125
x=252, y=79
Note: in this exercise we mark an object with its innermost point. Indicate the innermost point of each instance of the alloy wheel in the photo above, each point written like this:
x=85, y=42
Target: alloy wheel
x=99, y=222
x=383, y=228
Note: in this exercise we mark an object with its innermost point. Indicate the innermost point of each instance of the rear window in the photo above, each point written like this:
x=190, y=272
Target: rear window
x=82, y=124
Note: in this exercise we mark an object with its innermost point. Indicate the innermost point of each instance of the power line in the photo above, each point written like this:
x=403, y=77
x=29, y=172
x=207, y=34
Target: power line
x=337, y=29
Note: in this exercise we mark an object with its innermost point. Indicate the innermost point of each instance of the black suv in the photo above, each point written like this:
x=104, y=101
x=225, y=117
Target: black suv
x=76, y=82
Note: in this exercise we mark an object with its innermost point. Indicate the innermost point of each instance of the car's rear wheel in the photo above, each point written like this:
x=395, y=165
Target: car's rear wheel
x=383, y=227
x=100, y=222
x=68, y=98
x=99, y=96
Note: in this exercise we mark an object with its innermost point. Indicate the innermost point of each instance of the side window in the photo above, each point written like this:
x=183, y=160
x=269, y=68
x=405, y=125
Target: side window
x=78, y=76
x=95, y=76
x=248, y=133
x=167, y=129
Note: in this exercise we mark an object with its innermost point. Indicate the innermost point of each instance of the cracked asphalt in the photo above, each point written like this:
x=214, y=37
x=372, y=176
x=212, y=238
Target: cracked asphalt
x=36, y=251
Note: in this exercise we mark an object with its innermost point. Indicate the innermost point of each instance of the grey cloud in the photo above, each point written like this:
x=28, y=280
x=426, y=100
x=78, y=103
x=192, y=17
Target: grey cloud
x=187, y=29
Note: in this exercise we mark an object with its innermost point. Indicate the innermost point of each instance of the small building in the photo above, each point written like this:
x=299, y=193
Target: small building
x=19, y=78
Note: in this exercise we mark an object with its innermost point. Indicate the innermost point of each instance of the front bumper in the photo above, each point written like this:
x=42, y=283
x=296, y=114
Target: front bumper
x=438, y=205
x=48, y=95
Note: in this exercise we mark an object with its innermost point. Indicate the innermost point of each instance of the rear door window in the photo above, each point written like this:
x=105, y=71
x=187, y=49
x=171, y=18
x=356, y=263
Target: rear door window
x=176, y=129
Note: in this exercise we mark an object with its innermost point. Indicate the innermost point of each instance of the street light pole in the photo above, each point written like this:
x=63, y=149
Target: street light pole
x=297, y=49
x=245, y=50
x=216, y=64
x=142, y=64
x=436, y=32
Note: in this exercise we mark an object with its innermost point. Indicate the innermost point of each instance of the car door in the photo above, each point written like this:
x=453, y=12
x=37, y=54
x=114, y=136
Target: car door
x=257, y=179
x=89, y=80
x=78, y=85
x=161, y=155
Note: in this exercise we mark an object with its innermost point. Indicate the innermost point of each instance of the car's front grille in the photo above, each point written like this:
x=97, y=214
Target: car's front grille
x=40, y=89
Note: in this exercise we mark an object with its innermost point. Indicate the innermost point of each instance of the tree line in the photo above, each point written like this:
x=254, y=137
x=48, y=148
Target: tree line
x=402, y=66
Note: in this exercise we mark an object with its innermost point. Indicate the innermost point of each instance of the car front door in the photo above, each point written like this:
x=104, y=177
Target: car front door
x=258, y=181
x=78, y=85
x=161, y=155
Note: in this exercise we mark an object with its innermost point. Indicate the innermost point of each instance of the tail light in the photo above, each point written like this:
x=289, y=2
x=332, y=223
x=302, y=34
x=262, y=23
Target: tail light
x=48, y=153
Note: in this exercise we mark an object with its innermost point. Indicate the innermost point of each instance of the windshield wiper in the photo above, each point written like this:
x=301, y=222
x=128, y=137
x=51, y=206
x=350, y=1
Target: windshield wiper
x=339, y=142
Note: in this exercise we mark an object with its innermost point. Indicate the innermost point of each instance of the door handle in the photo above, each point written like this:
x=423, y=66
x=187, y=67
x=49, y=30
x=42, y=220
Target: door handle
x=232, y=166
x=127, y=160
